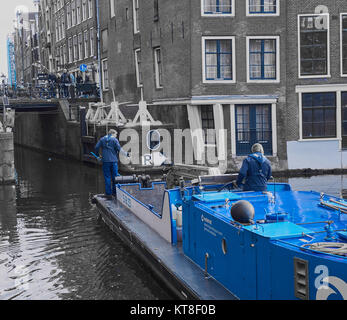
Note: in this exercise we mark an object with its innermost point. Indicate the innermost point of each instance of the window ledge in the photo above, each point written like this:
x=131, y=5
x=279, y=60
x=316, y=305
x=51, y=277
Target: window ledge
x=263, y=81
x=319, y=139
x=219, y=81
x=218, y=15
x=315, y=77
x=262, y=15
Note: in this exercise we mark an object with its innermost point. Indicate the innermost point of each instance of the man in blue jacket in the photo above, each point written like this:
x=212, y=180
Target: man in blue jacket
x=255, y=171
x=110, y=149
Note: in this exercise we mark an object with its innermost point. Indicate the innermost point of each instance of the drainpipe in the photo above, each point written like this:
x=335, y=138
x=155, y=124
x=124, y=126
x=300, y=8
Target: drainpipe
x=99, y=57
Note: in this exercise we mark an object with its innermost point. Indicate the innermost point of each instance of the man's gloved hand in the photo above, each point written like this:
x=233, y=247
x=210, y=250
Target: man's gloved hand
x=100, y=159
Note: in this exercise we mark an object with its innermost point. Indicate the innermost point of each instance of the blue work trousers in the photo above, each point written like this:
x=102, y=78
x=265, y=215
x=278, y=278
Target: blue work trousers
x=110, y=170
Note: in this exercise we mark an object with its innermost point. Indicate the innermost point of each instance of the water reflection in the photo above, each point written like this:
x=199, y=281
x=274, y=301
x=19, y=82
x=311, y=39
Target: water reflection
x=52, y=247
x=335, y=185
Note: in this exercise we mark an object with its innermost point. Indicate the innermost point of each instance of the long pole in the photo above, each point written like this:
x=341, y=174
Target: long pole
x=98, y=43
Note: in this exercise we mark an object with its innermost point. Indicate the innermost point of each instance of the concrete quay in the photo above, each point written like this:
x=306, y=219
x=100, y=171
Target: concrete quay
x=7, y=169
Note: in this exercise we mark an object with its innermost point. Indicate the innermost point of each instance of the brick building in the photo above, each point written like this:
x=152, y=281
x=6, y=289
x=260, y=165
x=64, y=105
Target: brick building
x=316, y=99
x=269, y=71
x=68, y=36
x=26, y=47
x=213, y=65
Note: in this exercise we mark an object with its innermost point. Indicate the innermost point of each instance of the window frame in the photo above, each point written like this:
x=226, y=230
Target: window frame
x=104, y=88
x=217, y=14
x=343, y=75
x=75, y=48
x=86, y=40
x=112, y=9
x=278, y=59
x=158, y=68
x=328, y=74
x=263, y=14
x=80, y=46
x=90, y=9
x=337, y=88
x=233, y=59
x=324, y=109
x=136, y=17
x=91, y=42
x=70, y=48
x=137, y=68
x=68, y=16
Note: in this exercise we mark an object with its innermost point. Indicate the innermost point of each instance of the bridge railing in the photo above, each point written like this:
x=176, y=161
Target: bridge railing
x=57, y=90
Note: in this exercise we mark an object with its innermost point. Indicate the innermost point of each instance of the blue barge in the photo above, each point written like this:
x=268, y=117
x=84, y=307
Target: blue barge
x=206, y=240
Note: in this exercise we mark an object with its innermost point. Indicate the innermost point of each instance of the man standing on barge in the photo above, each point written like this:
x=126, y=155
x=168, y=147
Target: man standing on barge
x=110, y=156
x=255, y=171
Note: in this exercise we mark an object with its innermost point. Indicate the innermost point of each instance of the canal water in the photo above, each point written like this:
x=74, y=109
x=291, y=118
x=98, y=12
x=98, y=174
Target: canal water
x=51, y=244
x=53, y=247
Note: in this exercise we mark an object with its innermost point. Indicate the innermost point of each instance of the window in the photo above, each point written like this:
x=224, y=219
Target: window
x=318, y=115
x=112, y=9
x=75, y=48
x=90, y=8
x=158, y=68
x=86, y=44
x=61, y=57
x=79, y=13
x=68, y=16
x=63, y=26
x=84, y=10
x=218, y=59
x=207, y=121
x=91, y=42
x=104, y=38
x=138, y=67
x=136, y=10
x=253, y=125
x=73, y=14
x=70, y=50
x=263, y=59
x=105, y=84
x=156, y=10
x=344, y=44
x=64, y=53
x=57, y=29
x=218, y=7
x=344, y=119
x=314, y=45
x=80, y=46
x=262, y=7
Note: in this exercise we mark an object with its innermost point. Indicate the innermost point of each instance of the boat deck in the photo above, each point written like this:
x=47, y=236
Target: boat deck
x=182, y=276
x=304, y=217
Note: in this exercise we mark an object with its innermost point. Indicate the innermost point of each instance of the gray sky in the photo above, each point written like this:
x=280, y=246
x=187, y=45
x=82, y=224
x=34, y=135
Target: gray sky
x=7, y=15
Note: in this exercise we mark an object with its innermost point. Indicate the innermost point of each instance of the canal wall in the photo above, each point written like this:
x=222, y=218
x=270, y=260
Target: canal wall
x=59, y=133
x=50, y=132
x=7, y=169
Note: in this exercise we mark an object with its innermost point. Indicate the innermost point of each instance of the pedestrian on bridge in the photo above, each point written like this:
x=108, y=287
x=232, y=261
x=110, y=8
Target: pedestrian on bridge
x=110, y=156
x=65, y=82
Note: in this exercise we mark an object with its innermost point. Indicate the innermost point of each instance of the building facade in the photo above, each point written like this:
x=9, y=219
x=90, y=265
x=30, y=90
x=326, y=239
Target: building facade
x=219, y=63
x=68, y=36
x=26, y=47
x=316, y=101
x=268, y=71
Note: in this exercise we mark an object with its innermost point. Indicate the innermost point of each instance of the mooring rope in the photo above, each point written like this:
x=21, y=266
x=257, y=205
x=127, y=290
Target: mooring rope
x=336, y=248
